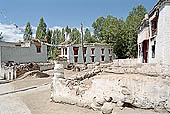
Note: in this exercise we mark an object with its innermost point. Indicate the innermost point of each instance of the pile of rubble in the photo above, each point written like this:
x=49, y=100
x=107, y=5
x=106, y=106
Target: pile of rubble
x=23, y=68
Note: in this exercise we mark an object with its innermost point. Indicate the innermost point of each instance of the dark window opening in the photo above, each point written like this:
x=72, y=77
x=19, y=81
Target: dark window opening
x=75, y=59
x=65, y=51
x=109, y=51
x=102, y=50
x=102, y=58
x=154, y=26
x=38, y=49
x=76, y=49
x=92, y=58
x=84, y=59
x=110, y=58
x=84, y=50
x=153, y=51
x=59, y=51
x=92, y=50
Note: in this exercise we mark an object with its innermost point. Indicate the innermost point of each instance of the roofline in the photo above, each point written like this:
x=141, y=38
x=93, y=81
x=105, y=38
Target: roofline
x=158, y=4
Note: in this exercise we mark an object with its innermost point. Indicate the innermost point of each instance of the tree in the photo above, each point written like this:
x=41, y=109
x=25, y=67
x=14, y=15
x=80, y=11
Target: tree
x=75, y=36
x=48, y=38
x=132, y=23
x=1, y=37
x=87, y=37
x=68, y=31
x=41, y=30
x=56, y=38
x=112, y=29
x=28, y=32
x=97, y=26
x=62, y=35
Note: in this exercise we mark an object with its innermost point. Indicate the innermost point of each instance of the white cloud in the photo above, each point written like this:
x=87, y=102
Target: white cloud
x=13, y=34
x=10, y=32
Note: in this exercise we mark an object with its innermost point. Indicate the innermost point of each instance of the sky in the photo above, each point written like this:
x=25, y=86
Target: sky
x=59, y=13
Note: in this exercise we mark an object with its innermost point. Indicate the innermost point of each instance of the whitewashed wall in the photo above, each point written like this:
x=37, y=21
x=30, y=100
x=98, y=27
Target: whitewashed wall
x=23, y=54
x=163, y=38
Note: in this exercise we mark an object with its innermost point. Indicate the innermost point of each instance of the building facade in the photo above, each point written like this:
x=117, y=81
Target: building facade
x=92, y=53
x=32, y=51
x=154, y=35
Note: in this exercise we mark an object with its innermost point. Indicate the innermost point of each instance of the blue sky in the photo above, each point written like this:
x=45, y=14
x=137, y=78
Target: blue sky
x=67, y=12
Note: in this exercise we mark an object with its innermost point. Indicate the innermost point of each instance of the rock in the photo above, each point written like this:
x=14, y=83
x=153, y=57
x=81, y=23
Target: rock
x=107, y=108
x=108, y=99
x=97, y=64
x=119, y=104
x=125, y=91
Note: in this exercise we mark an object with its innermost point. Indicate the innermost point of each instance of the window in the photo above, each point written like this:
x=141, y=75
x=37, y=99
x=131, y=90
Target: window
x=76, y=49
x=102, y=50
x=84, y=59
x=65, y=51
x=84, y=50
x=110, y=58
x=153, y=51
x=92, y=58
x=38, y=49
x=92, y=50
x=102, y=58
x=75, y=59
x=154, y=26
x=59, y=51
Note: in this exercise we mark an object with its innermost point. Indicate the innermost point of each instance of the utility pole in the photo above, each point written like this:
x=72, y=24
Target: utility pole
x=82, y=45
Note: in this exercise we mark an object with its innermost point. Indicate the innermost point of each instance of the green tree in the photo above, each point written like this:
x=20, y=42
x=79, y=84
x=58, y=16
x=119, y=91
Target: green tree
x=88, y=38
x=133, y=21
x=62, y=35
x=48, y=38
x=28, y=32
x=67, y=30
x=97, y=26
x=41, y=30
x=56, y=38
x=75, y=36
x=1, y=37
x=112, y=29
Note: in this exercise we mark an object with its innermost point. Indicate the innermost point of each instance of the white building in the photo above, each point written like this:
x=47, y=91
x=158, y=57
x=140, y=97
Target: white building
x=154, y=35
x=93, y=52
x=32, y=51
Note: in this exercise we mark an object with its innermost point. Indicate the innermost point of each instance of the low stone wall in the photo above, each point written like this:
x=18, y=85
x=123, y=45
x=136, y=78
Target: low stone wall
x=130, y=66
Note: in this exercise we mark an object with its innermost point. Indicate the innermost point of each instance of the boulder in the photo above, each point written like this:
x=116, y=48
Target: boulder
x=107, y=108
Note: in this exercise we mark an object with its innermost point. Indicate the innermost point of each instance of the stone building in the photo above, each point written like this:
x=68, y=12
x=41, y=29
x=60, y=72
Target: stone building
x=32, y=51
x=93, y=52
x=154, y=35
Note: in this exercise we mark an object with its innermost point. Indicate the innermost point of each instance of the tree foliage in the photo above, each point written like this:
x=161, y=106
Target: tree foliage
x=97, y=26
x=62, y=35
x=41, y=30
x=122, y=35
x=75, y=36
x=28, y=32
x=132, y=23
x=1, y=37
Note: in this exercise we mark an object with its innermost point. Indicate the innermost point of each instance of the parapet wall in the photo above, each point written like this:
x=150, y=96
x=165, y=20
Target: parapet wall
x=131, y=66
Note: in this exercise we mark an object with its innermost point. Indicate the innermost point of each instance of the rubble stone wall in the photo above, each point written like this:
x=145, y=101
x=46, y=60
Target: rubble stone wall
x=131, y=66
x=137, y=90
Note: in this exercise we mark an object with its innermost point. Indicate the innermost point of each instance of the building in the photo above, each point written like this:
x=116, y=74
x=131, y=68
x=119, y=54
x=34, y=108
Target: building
x=154, y=35
x=93, y=52
x=32, y=51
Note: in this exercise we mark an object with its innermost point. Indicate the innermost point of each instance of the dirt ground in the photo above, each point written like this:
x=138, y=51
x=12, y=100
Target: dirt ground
x=38, y=99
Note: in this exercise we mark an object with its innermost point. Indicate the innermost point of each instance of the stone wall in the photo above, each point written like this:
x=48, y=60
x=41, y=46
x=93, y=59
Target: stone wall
x=112, y=91
x=131, y=66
